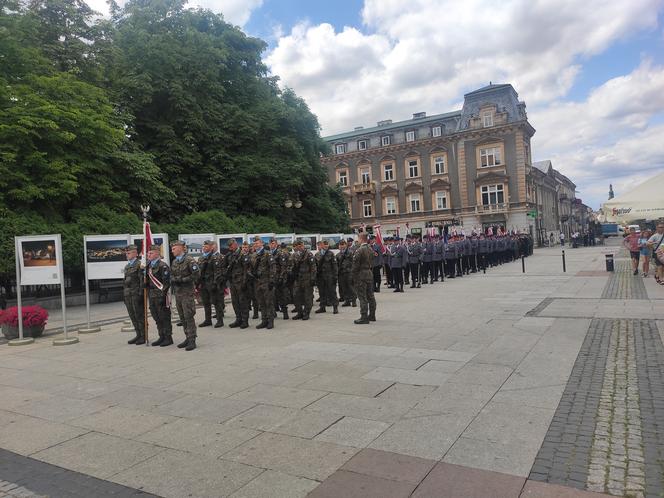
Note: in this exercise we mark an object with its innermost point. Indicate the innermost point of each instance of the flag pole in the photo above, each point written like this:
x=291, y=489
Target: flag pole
x=146, y=210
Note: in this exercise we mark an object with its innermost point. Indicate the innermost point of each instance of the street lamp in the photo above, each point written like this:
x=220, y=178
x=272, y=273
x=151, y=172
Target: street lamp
x=288, y=203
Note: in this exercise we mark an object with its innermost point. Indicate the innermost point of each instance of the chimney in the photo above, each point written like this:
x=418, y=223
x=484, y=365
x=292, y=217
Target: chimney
x=358, y=128
x=384, y=122
x=419, y=115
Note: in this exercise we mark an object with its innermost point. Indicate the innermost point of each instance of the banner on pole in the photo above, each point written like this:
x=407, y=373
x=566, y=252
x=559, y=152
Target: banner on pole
x=105, y=255
x=40, y=259
x=157, y=238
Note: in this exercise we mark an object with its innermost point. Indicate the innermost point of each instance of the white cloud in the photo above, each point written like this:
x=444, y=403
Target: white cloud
x=422, y=56
x=235, y=12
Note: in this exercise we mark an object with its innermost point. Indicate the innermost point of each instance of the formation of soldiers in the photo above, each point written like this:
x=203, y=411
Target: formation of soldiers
x=412, y=261
x=263, y=279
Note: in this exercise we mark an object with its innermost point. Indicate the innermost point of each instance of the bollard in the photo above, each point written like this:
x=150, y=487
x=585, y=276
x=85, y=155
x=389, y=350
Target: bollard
x=523, y=264
x=564, y=267
x=483, y=263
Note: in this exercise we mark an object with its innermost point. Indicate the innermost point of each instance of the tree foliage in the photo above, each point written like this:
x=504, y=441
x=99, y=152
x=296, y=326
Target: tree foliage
x=160, y=104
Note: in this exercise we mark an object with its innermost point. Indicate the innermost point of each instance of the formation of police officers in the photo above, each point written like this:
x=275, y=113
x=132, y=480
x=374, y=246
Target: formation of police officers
x=261, y=278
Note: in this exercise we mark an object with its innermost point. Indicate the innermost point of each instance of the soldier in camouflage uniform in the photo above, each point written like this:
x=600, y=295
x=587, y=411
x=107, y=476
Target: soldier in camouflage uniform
x=264, y=274
x=363, y=279
x=345, y=266
x=184, y=275
x=238, y=268
x=303, y=276
x=159, y=282
x=210, y=264
x=133, y=294
x=281, y=288
x=327, y=274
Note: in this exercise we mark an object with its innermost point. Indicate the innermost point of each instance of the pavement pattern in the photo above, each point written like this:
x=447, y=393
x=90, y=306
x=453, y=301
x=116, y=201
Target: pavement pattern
x=454, y=392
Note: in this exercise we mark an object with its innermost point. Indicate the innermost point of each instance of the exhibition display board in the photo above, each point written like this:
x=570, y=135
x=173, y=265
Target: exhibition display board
x=195, y=241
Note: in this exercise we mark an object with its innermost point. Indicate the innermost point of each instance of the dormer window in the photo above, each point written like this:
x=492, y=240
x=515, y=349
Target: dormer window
x=437, y=131
x=410, y=136
x=487, y=119
x=361, y=145
x=340, y=148
x=385, y=140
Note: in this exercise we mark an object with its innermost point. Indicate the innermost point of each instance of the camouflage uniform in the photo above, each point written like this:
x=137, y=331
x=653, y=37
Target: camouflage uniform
x=363, y=279
x=345, y=266
x=159, y=300
x=238, y=268
x=264, y=272
x=133, y=297
x=211, y=295
x=184, y=273
x=281, y=289
x=327, y=274
x=304, y=276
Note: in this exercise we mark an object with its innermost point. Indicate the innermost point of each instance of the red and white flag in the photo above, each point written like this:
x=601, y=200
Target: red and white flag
x=147, y=242
x=379, y=238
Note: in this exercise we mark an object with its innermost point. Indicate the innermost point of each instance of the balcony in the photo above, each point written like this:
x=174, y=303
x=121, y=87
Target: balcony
x=365, y=188
x=503, y=207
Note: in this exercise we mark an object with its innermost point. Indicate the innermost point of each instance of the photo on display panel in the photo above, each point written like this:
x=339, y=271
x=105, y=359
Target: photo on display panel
x=105, y=251
x=224, y=239
x=38, y=253
x=310, y=240
x=195, y=241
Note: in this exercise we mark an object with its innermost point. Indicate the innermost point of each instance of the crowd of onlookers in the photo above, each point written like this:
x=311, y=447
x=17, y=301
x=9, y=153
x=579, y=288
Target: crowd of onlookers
x=644, y=247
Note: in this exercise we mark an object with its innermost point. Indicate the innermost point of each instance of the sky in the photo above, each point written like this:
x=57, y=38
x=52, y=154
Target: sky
x=591, y=73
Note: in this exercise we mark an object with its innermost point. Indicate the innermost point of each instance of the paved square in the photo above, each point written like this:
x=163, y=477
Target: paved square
x=505, y=382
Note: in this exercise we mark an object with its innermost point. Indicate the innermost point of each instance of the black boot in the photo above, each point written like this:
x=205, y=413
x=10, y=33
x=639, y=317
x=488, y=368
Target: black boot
x=234, y=324
x=158, y=341
x=298, y=316
x=285, y=313
x=133, y=341
x=206, y=323
x=270, y=324
x=192, y=345
x=320, y=310
x=184, y=343
x=396, y=290
x=372, y=316
x=305, y=315
x=178, y=323
x=335, y=309
x=244, y=325
x=220, y=322
x=263, y=323
x=140, y=341
x=168, y=341
x=362, y=320
x=354, y=304
x=347, y=303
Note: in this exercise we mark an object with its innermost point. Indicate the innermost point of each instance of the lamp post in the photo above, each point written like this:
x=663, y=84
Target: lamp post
x=296, y=204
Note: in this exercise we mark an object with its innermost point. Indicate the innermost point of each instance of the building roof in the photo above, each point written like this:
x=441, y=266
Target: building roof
x=392, y=126
x=543, y=166
x=490, y=86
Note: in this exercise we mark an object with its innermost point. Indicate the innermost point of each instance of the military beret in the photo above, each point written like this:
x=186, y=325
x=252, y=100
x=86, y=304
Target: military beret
x=178, y=243
x=284, y=245
x=350, y=239
x=209, y=242
x=257, y=239
x=131, y=247
x=245, y=243
x=155, y=247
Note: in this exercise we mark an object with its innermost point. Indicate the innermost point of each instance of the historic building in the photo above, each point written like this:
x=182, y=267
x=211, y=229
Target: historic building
x=470, y=167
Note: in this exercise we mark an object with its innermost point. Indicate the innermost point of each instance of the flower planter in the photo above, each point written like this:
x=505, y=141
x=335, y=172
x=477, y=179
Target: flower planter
x=12, y=332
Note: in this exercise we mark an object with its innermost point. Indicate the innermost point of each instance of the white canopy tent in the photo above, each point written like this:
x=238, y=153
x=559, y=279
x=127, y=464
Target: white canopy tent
x=644, y=202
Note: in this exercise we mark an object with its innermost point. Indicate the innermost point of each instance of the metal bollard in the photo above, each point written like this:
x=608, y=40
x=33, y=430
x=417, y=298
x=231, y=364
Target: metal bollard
x=564, y=266
x=523, y=264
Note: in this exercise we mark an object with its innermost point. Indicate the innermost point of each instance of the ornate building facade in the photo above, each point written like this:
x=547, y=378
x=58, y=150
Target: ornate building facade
x=470, y=167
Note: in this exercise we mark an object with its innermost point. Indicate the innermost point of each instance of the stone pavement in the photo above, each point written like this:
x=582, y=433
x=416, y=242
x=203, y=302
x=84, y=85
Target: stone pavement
x=463, y=388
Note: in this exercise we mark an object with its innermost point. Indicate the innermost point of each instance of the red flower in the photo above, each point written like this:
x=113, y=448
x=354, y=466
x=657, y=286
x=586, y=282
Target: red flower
x=33, y=316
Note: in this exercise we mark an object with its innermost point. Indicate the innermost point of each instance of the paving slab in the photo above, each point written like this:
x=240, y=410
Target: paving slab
x=351, y=485
x=280, y=396
x=263, y=417
x=535, y=489
x=27, y=435
x=306, y=423
x=98, y=455
x=354, y=432
x=175, y=474
x=204, y=407
x=514, y=458
x=272, y=484
x=198, y=436
x=388, y=465
x=122, y=422
x=299, y=457
x=454, y=481
x=139, y=398
x=59, y=408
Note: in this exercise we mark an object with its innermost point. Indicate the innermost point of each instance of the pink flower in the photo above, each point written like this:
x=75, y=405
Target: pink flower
x=33, y=316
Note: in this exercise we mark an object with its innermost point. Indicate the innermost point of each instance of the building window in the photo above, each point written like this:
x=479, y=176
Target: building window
x=365, y=175
x=487, y=119
x=342, y=178
x=413, y=168
x=361, y=145
x=437, y=131
x=386, y=140
x=391, y=205
x=414, y=203
x=490, y=156
x=367, y=208
x=388, y=170
x=441, y=200
x=492, y=194
x=439, y=165
x=340, y=148
x=410, y=136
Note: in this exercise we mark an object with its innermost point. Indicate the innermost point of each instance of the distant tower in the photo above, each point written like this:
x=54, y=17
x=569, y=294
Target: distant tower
x=611, y=195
